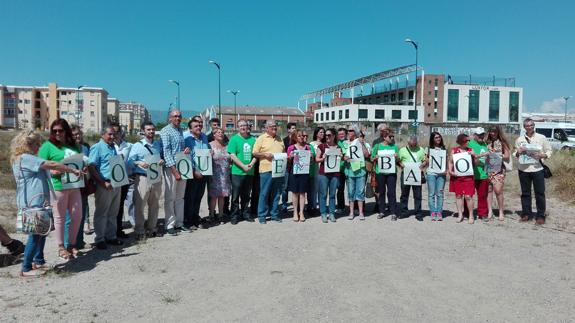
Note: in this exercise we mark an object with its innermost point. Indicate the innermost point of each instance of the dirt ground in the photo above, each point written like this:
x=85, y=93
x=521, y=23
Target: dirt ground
x=365, y=271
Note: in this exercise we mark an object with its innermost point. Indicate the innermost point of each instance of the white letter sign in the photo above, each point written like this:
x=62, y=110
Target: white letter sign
x=493, y=164
x=332, y=160
x=462, y=164
x=204, y=161
x=355, y=152
x=279, y=165
x=412, y=174
x=118, y=173
x=70, y=180
x=154, y=169
x=184, y=165
x=386, y=161
x=437, y=161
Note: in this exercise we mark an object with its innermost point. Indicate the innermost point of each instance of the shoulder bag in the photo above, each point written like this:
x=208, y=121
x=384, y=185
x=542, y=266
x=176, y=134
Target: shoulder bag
x=34, y=220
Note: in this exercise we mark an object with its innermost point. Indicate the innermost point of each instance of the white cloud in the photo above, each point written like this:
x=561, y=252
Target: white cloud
x=554, y=106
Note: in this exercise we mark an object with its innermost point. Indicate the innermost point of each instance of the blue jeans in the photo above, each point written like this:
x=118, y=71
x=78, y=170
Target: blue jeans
x=80, y=236
x=435, y=186
x=327, y=182
x=356, y=188
x=33, y=252
x=269, y=187
x=313, y=193
x=285, y=193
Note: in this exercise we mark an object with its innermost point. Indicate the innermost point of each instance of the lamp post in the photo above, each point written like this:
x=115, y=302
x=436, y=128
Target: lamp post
x=78, y=104
x=219, y=87
x=178, y=98
x=235, y=93
x=408, y=40
x=566, y=98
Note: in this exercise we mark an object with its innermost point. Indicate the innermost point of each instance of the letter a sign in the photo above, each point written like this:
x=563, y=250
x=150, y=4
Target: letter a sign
x=118, y=173
x=462, y=164
x=412, y=174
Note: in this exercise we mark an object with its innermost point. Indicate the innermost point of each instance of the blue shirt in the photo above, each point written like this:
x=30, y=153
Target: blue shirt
x=100, y=154
x=172, y=143
x=140, y=151
x=197, y=143
x=31, y=182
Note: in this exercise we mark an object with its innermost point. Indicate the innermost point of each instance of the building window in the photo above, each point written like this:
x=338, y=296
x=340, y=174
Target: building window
x=340, y=113
x=385, y=98
x=435, y=107
x=333, y=115
x=473, y=105
x=92, y=114
x=316, y=117
x=395, y=114
x=326, y=116
x=347, y=113
x=452, y=104
x=380, y=114
x=38, y=95
x=494, y=106
x=321, y=116
x=412, y=115
x=435, y=93
x=362, y=113
x=410, y=95
x=400, y=96
x=435, y=82
x=513, y=106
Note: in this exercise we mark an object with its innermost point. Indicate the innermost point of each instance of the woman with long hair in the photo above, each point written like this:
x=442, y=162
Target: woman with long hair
x=435, y=181
x=318, y=138
x=462, y=186
x=297, y=183
x=220, y=182
x=32, y=191
x=59, y=146
x=497, y=144
x=328, y=182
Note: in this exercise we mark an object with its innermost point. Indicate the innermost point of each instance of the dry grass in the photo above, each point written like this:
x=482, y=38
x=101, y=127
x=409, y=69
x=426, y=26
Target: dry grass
x=562, y=165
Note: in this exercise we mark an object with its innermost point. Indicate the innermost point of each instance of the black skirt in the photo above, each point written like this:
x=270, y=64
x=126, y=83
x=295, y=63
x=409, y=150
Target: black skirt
x=298, y=183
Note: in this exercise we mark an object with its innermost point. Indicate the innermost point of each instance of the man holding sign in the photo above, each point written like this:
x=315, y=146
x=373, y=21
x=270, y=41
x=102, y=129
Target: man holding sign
x=531, y=173
x=146, y=162
x=384, y=155
x=196, y=187
x=269, y=149
x=412, y=160
x=107, y=196
x=172, y=145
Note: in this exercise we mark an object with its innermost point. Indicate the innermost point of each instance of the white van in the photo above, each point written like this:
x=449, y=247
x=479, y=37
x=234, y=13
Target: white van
x=561, y=135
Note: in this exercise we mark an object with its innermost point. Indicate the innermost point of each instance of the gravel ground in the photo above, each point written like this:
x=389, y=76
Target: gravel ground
x=373, y=270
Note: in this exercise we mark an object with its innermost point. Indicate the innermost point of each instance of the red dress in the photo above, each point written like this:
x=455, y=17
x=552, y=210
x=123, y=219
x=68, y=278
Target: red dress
x=462, y=185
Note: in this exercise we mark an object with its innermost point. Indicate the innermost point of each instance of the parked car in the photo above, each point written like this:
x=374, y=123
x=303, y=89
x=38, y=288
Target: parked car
x=561, y=135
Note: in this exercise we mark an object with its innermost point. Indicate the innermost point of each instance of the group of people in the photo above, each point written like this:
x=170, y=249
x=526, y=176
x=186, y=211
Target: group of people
x=245, y=180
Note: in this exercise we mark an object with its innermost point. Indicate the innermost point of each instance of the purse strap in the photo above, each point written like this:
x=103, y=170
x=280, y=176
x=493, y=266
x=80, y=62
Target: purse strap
x=412, y=157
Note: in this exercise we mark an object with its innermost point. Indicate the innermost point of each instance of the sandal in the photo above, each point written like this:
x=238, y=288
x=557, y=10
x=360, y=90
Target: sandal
x=32, y=273
x=63, y=254
x=40, y=267
x=74, y=252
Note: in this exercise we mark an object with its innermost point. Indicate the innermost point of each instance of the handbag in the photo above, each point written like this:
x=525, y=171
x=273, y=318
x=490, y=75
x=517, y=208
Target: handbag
x=369, y=190
x=423, y=179
x=34, y=220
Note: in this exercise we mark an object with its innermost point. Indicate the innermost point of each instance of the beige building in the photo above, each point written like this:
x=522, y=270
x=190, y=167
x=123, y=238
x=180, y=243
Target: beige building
x=31, y=107
x=113, y=109
x=132, y=116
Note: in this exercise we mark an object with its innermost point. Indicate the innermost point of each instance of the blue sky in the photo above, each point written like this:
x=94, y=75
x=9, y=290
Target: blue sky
x=273, y=51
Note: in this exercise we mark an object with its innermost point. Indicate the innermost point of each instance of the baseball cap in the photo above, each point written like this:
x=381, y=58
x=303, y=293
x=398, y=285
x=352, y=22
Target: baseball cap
x=478, y=131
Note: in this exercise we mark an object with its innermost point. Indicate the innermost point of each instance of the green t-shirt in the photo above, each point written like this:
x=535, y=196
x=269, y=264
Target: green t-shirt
x=242, y=148
x=49, y=151
x=479, y=171
x=405, y=156
x=381, y=146
x=348, y=171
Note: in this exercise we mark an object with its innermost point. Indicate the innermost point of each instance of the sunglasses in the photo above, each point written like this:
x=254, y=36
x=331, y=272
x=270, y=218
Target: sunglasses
x=57, y=130
x=177, y=116
x=329, y=135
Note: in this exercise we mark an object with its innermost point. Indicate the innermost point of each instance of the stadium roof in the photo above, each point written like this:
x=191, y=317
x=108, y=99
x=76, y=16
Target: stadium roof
x=363, y=80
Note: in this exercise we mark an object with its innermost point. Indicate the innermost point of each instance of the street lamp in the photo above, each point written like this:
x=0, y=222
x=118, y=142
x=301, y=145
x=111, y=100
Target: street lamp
x=566, y=98
x=408, y=40
x=78, y=104
x=219, y=87
x=235, y=93
x=178, y=99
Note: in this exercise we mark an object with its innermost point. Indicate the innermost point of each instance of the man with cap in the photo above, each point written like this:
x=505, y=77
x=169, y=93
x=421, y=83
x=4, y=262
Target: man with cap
x=480, y=148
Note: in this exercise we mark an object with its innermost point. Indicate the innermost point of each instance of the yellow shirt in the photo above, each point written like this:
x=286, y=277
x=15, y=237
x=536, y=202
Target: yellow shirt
x=267, y=144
